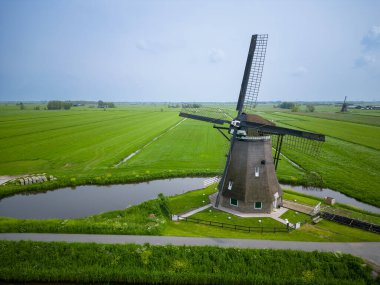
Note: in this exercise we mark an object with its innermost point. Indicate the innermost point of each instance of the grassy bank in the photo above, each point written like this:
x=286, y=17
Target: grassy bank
x=151, y=218
x=148, y=218
x=95, y=263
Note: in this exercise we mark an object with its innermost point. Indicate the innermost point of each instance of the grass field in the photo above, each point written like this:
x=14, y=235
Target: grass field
x=28, y=261
x=83, y=145
x=350, y=157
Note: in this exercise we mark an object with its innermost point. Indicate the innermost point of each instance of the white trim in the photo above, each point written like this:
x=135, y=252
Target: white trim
x=254, y=205
x=237, y=202
x=230, y=183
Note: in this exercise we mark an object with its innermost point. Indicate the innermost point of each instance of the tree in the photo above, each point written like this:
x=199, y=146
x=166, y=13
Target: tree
x=67, y=105
x=296, y=108
x=310, y=108
x=286, y=105
x=22, y=107
x=102, y=104
x=54, y=105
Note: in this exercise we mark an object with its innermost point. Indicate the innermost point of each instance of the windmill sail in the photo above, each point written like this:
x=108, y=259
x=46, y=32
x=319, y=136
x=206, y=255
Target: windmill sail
x=252, y=74
x=214, y=115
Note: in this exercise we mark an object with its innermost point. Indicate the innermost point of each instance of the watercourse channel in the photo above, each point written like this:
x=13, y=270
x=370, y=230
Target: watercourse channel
x=88, y=200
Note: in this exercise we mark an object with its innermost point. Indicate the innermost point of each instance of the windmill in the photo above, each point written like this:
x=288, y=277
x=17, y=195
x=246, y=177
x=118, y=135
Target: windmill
x=344, y=105
x=249, y=183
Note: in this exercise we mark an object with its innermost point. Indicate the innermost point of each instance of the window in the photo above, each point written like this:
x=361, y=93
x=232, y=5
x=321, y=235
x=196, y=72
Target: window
x=258, y=205
x=230, y=185
x=257, y=169
x=233, y=202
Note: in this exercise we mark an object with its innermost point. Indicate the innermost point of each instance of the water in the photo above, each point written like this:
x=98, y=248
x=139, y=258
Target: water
x=88, y=200
x=339, y=197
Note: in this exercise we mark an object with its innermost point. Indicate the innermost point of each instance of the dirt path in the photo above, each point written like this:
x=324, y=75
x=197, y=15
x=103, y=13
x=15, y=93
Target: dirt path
x=5, y=178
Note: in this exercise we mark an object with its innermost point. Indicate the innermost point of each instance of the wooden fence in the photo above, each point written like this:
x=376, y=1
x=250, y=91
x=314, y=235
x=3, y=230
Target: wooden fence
x=351, y=222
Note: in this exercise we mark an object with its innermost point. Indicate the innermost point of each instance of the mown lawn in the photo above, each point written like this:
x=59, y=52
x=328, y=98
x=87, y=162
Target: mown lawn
x=76, y=141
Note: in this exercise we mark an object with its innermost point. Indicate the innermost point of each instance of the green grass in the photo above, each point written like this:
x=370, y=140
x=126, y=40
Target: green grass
x=361, y=134
x=190, y=200
x=295, y=217
x=82, y=146
x=223, y=217
x=75, y=141
x=349, y=161
x=359, y=118
x=138, y=220
x=326, y=231
x=28, y=261
x=301, y=198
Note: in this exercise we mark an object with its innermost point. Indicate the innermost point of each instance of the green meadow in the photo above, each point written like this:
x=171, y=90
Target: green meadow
x=350, y=158
x=86, y=145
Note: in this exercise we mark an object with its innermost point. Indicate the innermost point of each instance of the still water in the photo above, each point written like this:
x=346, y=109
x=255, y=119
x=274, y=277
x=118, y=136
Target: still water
x=88, y=200
x=339, y=197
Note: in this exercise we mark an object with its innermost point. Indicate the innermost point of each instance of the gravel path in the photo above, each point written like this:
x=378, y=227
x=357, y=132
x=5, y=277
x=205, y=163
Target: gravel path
x=366, y=250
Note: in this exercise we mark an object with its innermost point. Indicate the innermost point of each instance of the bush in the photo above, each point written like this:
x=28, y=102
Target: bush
x=296, y=108
x=286, y=105
x=310, y=108
x=54, y=105
x=57, y=105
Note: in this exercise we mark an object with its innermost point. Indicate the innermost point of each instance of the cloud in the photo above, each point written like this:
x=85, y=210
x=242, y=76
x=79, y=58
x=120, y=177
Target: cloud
x=299, y=71
x=216, y=55
x=372, y=39
x=365, y=60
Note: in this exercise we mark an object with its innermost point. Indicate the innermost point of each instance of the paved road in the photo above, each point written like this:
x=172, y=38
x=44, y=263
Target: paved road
x=367, y=250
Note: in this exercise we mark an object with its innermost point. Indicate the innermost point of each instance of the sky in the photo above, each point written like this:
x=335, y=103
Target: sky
x=187, y=51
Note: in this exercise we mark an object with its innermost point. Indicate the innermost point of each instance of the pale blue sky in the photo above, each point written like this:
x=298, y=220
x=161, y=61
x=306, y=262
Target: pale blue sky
x=187, y=50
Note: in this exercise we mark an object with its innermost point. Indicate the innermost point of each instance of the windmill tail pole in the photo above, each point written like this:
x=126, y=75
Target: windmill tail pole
x=222, y=181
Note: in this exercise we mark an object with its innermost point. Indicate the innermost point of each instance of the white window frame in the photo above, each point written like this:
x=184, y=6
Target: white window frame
x=254, y=205
x=230, y=183
x=237, y=202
